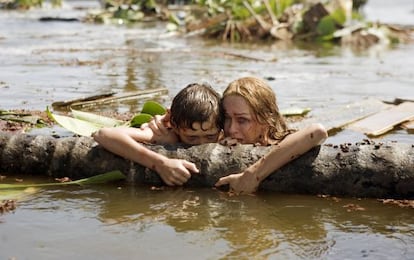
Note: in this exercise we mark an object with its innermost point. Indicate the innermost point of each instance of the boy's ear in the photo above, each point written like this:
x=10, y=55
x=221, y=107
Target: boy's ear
x=221, y=135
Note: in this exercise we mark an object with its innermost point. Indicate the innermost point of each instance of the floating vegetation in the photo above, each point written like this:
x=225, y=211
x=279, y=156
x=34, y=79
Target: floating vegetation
x=21, y=120
x=85, y=124
x=337, y=21
x=125, y=12
x=7, y=206
x=26, y=4
x=97, y=179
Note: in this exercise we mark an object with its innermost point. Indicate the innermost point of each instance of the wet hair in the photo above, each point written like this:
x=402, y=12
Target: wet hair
x=262, y=100
x=197, y=102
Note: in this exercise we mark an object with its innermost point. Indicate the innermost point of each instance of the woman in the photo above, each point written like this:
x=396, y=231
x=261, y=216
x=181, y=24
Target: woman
x=251, y=116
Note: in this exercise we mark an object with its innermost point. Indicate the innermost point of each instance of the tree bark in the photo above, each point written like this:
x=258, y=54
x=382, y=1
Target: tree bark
x=364, y=169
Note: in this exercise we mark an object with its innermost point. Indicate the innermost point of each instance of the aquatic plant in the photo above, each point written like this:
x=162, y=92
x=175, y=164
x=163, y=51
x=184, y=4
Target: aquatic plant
x=126, y=11
x=336, y=21
x=26, y=4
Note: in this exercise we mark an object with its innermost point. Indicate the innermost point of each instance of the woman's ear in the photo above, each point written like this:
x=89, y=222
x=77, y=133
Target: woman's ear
x=264, y=138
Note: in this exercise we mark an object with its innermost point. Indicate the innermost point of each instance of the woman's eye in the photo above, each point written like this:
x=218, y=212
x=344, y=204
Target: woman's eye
x=242, y=120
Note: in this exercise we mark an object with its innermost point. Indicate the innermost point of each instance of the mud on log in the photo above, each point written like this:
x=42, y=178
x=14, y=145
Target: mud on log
x=362, y=169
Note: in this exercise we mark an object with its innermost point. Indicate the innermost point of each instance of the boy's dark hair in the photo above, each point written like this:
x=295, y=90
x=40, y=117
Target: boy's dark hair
x=196, y=103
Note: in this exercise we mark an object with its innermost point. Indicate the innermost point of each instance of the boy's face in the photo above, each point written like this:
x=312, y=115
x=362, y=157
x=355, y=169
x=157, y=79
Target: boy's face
x=205, y=132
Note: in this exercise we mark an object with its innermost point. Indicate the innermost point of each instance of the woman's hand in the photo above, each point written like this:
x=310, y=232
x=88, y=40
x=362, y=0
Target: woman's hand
x=175, y=171
x=245, y=182
x=228, y=141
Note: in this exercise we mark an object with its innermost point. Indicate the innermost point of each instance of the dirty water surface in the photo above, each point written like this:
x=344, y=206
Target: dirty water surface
x=45, y=62
x=126, y=222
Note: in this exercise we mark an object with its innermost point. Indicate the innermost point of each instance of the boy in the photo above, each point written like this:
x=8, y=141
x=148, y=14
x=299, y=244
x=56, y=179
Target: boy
x=195, y=118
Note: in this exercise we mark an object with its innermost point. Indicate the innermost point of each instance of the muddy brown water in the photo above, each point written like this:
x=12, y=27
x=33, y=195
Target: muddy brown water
x=41, y=63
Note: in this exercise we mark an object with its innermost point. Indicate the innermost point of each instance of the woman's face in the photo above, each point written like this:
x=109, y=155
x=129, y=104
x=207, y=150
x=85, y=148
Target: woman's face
x=240, y=122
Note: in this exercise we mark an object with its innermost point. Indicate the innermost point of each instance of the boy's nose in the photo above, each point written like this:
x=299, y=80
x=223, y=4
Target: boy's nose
x=200, y=141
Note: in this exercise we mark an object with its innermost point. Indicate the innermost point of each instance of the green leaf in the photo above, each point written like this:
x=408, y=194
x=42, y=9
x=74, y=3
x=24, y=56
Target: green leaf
x=149, y=110
x=140, y=119
x=97, y=179
x=77, y=126
x=18, y=118
x=240, y=12
x=101, y=178
x=339, y=16
x=153, y=108
x=16, y=194
x=5, y=112
x=326, y=26
x=96, y=119
x=84, y=123
x=295, y=111
x=172, y=18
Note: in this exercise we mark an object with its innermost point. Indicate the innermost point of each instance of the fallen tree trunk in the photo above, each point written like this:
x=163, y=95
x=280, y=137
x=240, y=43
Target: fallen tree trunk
x=358, y=170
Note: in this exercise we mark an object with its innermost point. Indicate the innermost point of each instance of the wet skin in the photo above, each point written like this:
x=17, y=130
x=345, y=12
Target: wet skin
x=205, y=132
x=240, y=122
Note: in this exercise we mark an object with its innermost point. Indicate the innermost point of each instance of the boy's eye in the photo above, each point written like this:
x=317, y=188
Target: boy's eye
x=212, y=137
x=191, y=138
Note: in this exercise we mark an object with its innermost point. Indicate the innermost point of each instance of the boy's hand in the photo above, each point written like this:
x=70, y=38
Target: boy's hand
x=161, y=129
x=176, y=171
x=160, y=124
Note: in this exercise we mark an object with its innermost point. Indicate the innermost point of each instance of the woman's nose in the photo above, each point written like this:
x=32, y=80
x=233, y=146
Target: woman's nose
x=232, y=128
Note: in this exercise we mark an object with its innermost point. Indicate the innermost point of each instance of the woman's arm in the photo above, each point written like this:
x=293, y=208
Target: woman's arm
x=290, y=148
x=127, y=143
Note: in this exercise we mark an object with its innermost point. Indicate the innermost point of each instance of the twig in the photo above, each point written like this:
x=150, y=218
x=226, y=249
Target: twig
x=271, y=14
x=125, y=96
x=259, y=19
x=90, y=98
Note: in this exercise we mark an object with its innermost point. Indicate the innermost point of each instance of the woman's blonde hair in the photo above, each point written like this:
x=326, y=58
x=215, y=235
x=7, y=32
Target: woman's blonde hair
x=262, y=101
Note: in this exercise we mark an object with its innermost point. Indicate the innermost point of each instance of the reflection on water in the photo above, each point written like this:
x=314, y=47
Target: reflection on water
x=112, y=221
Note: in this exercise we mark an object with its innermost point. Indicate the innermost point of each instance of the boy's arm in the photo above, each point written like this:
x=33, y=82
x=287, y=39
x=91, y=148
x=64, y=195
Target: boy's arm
x=293, y=146
x=125, y=142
